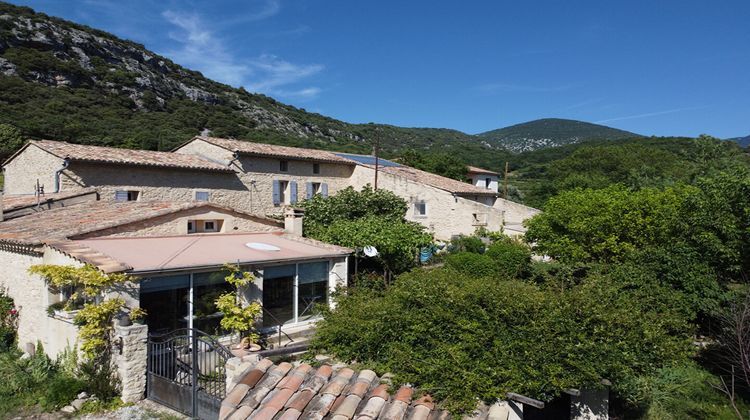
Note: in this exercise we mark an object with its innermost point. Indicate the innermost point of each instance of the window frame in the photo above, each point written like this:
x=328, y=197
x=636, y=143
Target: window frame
x=420, y=212
x=283, y=166
x=130, y=195
x=207, y=193
x=215, y=227
x=316, y=169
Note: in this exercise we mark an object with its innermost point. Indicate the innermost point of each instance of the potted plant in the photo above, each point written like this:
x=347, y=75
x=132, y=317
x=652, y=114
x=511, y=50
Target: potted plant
x=239, y=317
x=138, y=315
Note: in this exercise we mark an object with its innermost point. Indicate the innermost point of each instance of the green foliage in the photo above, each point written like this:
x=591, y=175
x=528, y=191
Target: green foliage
x=360, y=218
x=60, y=390
x=8, y=322
x=683, y=391
x=138, y=314
x=238, y=317
x=465, y=243
x=512, y=258
x=460, y=337
x=11, y=140
x=472, y=264
x=95, y=317
x=447, y=165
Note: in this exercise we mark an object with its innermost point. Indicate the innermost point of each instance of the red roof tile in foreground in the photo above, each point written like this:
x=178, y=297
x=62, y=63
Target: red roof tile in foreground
x=272, y=150
x=14, y=202
x=99, y=154
x=283, y=392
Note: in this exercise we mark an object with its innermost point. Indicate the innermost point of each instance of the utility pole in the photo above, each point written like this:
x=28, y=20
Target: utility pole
x=375, y=151
x=505, y=181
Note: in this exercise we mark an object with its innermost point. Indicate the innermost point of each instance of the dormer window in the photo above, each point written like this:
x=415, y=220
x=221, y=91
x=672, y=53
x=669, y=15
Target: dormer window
x=210, y=226
x=283, y=166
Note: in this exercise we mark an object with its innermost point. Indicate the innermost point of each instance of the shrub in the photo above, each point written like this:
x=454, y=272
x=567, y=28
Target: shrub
x=463, y=243
x=472, y=264
x=461, y=337
x=60, y=391
x=512, y=258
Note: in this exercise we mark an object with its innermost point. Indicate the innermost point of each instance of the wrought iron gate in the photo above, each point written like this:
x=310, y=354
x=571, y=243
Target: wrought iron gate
x=186, y=372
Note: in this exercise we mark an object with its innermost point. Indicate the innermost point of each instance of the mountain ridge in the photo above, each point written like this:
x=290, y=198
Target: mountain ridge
x=550, y=132
x=67, y=81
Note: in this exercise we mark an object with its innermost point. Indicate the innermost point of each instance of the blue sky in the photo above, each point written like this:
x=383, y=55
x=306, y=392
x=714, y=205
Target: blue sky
x=666, y=67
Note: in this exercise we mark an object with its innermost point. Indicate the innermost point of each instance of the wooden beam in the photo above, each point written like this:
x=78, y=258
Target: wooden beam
x=572, y=391
x=525, y=400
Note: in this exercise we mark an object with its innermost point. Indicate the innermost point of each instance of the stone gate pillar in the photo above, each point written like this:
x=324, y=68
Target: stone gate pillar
x=130, y=359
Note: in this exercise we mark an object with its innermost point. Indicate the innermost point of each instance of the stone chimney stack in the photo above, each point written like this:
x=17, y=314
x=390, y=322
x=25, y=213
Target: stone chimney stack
x=293, y=221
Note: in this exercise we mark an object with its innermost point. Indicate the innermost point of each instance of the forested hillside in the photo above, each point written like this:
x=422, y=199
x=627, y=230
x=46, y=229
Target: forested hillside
x=64, y=81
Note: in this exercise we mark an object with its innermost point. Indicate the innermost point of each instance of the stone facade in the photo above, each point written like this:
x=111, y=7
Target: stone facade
x=32, y=297
x=177, y=224
x=446, y=214
x=30, y=165
x=258, y=173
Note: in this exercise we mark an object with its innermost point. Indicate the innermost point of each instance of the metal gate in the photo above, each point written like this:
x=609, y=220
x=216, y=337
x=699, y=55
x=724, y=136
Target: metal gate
x=186, y=372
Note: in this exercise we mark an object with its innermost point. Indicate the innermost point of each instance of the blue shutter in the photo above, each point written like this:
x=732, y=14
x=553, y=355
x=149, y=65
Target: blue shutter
x=310, y=191
x=293, y=193
x=324, y=189
x=276, y=192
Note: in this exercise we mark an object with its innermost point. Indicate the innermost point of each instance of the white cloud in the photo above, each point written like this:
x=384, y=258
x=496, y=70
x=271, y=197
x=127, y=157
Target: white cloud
x=202, y=49
x=650, y=114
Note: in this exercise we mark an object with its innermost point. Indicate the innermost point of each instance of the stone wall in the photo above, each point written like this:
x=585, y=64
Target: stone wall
x=515, y=215
x=130, y=357
x=156, y=184
x=176, y=224
x=258, y=173
x=23, y=171
x=32, y=297
x=447, y=215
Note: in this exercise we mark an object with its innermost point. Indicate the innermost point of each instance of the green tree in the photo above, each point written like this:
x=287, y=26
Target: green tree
x=367, y=218
x=11, y=140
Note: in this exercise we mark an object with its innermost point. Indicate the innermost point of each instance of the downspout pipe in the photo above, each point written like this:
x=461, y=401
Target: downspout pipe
x=58, y=172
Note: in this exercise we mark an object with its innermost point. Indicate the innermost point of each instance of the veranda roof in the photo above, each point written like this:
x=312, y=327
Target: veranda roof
x=194, y=251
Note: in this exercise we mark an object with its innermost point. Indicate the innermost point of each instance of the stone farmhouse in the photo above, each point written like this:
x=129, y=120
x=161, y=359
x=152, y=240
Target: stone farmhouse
x=259, y=179
x=173, y=220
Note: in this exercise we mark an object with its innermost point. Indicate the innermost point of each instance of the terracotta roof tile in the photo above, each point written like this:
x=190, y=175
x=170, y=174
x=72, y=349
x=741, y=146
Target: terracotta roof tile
x=272, y=150
x=322, y=393
x=477, y=170
x=62, y=223
x=15, y=202
x=437, y=181
x=99, y=154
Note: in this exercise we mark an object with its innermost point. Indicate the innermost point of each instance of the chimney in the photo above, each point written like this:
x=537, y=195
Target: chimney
x=293, y=221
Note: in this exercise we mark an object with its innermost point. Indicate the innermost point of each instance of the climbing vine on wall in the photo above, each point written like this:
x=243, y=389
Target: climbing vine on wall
x=95, y=317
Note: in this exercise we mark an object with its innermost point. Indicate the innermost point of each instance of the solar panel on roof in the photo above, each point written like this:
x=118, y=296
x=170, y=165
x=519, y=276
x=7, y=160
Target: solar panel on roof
x=367, y=160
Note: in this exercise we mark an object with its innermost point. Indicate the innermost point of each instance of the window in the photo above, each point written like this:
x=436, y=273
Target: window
x=316, y=168
x=283, y=194
x=283, y=166
x=202, y=195
x=420, y=209
x=487, y=182
x=210, y=226
x=122, y=195
x=200, y=226
x=294, y=292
